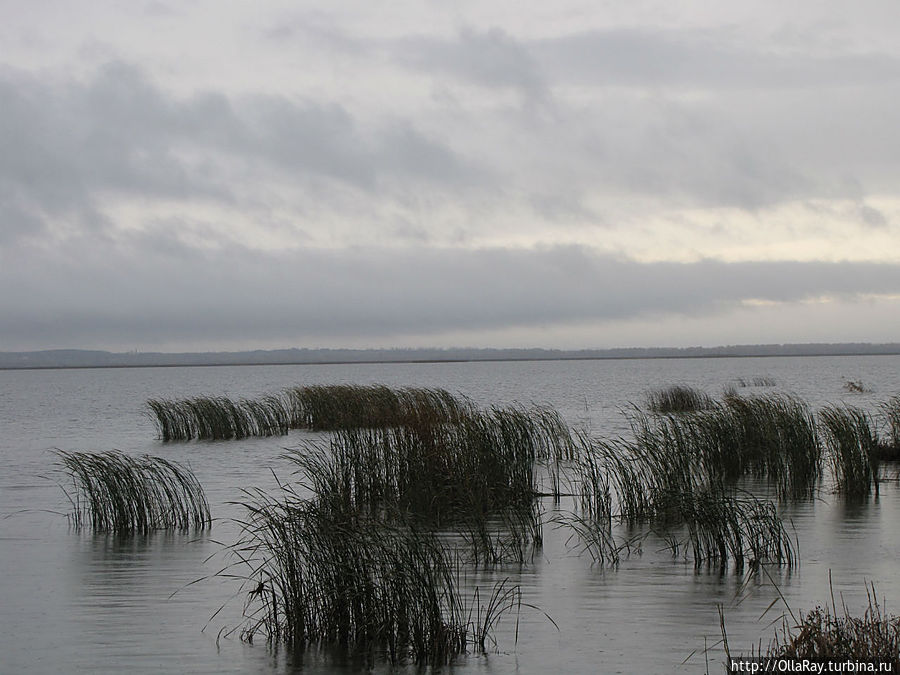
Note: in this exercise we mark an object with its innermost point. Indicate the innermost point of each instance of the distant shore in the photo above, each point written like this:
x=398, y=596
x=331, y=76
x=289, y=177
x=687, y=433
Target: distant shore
x=77, y=358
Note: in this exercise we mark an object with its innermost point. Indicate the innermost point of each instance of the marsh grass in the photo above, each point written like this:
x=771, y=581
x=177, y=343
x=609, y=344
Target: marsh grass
x=219, y=418
x=352, y=406
x=889, y=447
x=117, y=493
x=483, y=462
x=677, y=479
x=476, y=476
x=597, y=538
x=856, y=387
x=758, y=381
x=828, y=633
x=726, y=526
x=514, y=536
x=774, y=437
x=658, y=484
x=380, y=587
x=852, y=445
x=317, y=407
x=678, y=398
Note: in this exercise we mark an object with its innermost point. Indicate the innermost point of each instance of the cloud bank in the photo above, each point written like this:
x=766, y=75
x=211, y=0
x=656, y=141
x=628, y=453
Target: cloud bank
x=315, y=178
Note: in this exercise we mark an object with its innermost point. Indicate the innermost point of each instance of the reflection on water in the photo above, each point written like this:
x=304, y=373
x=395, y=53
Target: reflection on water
x=110, y=572
x=92, y=603
x=131, y=591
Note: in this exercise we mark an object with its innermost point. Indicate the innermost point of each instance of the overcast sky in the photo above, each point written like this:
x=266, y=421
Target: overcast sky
x=231, y=175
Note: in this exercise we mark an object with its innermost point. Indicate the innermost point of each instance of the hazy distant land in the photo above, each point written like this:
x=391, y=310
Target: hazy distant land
x=79, y=358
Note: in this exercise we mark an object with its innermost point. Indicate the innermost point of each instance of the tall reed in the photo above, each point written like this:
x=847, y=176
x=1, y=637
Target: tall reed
x=663, y=480
x=321, y=576
x=773, y=436
x=219, y=418
x=852, y=449
x=351, y=406
x=477, y=475
x=890, y=447
x=758, y=381
x=678, y=398
x=484, y=461
x=512, y=536
x=118, y=493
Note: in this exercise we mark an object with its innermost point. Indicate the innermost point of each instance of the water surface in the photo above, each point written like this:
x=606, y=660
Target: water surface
x=93, y=603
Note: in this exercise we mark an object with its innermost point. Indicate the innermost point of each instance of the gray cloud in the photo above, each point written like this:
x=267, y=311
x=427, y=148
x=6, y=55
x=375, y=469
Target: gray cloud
x=490, y=58
x=702, y=116
x=399, y=135
x=701, y=58
x=150, y=296
x=66, y=145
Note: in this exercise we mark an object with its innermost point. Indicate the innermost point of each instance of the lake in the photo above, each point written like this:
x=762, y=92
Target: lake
x=79, y=602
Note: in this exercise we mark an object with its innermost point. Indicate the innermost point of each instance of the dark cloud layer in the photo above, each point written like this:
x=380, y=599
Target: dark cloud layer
x=317, y=295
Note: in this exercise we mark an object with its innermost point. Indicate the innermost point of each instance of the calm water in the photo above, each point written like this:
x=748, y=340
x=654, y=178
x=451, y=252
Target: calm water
x=82, y=603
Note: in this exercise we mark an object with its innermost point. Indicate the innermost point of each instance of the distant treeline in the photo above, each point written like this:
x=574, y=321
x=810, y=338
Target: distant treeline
x=78, y=358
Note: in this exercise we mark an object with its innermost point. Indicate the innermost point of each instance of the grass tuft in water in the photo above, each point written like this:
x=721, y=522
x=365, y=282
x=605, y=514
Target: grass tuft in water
x=889, y=447
x=856, y=387
x=678, y=398
x=219, y=418
x=352, y=406
x=376, y=587
x=661, y=482
x=773, y=436
x=758, y=381
x=121, y=494
x=852, y=446
x=476, y=475
x=513, y=536
x=484, y=462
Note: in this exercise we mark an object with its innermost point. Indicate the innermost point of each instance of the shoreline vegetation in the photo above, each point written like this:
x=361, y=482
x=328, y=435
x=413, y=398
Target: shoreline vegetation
x=81, y=358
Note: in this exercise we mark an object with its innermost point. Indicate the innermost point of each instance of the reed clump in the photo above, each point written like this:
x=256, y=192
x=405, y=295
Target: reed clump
x=721, y=526
x=476, y=475
x=773, y=436
x=315, y=407
x=220, y=418
x=852, y=444
x=678, y=398
x=659, y=481
x=121, y=494
x=889, y=447
x=677, y=477
x=758, y=381
x=512, y=536
x=382, y=588
x=856, y=387
x=482, y=463
x=351, y=406
x=826, y=633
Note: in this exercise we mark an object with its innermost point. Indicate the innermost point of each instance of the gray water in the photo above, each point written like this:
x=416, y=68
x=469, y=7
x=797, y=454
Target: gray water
x=79, y=603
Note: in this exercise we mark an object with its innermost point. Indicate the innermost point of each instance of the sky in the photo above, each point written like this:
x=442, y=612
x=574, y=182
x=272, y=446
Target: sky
x=217, y=175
